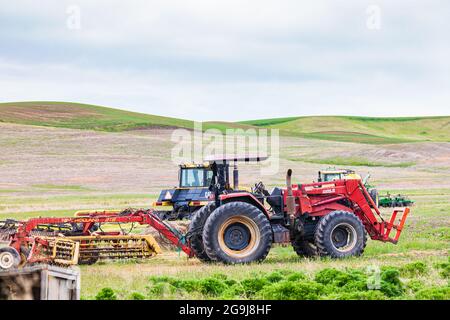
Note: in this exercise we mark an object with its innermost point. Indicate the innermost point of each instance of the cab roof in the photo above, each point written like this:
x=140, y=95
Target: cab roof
x=236, y=158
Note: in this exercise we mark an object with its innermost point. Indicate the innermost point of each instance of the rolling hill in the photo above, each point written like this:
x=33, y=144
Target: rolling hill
x=82, y=116
x=361, y=129
x=369, y=130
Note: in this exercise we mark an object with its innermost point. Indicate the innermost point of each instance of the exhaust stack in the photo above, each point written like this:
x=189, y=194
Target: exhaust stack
x=290, y=200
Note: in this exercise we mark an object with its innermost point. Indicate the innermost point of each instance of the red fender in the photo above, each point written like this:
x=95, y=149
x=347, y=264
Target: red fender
x=244, y=197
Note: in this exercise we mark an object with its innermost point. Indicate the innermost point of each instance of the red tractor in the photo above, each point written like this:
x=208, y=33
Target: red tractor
x=329, y=218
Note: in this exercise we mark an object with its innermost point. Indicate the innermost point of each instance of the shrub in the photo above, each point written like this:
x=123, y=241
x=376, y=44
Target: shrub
x=106, y=294
x=439, y=293
x=349, y=280
x=358, y=295
x=159, y=279
x=390, y=282
x=234, y=291
x=292, y=290
x=137, y=296
x=327, y=275
x=253, y=285
x=212, y=286
x=274, y=277
x=160, y=289
x=414, y=269
x=189, y=285
x=444, y=269
x=296, y=276
x=414, y=285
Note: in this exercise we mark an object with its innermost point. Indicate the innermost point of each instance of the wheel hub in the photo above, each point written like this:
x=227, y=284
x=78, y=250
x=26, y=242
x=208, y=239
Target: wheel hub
x=6, y=260
x=237, y=236
x=340, y=237
x=343, y=237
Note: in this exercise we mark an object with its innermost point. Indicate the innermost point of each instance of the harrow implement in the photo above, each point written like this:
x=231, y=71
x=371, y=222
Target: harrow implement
x=81, y=239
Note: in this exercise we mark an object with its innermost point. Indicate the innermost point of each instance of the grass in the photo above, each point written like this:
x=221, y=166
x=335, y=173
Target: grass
x=425, y=240
x=355, y=161
x=82, y=116
x=370, y=130
x=276, y=278
x=59, y=187
x=21, y=206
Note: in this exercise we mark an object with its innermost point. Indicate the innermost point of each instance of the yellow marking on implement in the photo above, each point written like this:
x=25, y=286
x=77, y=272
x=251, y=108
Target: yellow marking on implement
x=163, y=204
x=149, y=239
x=198, y=203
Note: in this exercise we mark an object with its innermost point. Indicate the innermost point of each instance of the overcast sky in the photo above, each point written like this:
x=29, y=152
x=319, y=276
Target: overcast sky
x=230, y=60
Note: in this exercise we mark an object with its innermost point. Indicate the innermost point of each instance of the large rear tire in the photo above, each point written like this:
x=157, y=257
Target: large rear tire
x=340, y=234
x=237, y=232
x=195, y=231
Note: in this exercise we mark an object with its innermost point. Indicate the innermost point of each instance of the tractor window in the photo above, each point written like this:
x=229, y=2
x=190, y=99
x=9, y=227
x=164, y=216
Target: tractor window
x=209, y=175
x=332, y=176
x=195, y=178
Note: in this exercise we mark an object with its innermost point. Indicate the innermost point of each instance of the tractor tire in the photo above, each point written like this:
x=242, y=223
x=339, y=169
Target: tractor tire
x=9, y=258
x=237, y=232
x=304, y=248
x=340, y=234
x=375, y=196
x=195, y=231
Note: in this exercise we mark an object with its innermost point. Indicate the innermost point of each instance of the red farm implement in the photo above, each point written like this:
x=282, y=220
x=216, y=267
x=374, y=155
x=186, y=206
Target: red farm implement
x=80, y=239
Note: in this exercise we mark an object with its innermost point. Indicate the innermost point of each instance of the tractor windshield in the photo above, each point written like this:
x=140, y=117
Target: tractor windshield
x=195, y=177
x=331, y=176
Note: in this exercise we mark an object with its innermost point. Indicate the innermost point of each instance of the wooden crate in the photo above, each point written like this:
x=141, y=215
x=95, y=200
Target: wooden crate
x=41, y=282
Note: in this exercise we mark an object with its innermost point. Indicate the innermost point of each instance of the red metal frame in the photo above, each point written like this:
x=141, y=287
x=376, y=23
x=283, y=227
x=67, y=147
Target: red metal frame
x=320, y=198
x=23, y=238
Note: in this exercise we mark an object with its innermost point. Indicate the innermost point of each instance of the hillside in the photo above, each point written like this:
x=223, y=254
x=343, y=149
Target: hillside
x=362, y=129
x=367, y=130
x=82, y=116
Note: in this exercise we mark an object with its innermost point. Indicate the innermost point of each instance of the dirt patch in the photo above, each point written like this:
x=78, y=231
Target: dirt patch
x=45, y=112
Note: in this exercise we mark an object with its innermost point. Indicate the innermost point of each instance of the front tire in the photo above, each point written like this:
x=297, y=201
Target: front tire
x=237, y=232
x=340, y=234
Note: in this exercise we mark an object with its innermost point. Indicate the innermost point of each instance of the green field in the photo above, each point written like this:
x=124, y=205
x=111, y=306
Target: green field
x=49, y=167
x=369, y=130
x=82, y=116
x=362, y=129
x=416, y=268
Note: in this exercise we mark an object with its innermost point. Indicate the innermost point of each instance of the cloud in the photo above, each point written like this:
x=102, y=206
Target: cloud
x=229, y=60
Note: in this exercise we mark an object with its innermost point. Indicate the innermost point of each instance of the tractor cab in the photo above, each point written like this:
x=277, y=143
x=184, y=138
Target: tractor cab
x=195, y=176
x=337, y=174
x=221, y=183
x=332, y=174
x=200, y=183
x=191, y=193
x=220, y=166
